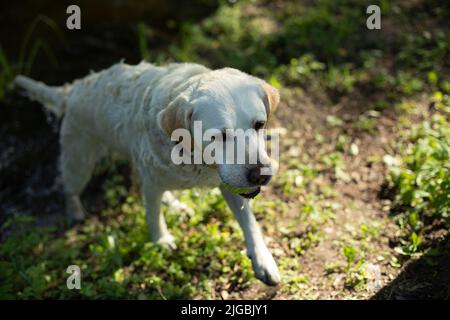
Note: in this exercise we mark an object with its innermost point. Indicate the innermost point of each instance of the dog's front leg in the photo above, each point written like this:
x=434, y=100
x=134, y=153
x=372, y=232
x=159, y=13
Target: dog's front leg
x=155, y=218
x=263, y=263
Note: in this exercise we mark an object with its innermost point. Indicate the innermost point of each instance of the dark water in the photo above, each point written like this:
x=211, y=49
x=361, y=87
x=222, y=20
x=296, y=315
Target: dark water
x=29, y=178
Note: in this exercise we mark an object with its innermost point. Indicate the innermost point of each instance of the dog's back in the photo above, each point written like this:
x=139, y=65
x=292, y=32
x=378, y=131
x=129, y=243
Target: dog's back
x=117, y=102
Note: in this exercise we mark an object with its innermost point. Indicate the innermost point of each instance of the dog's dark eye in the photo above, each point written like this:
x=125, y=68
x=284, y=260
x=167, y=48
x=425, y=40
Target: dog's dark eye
x=259, y=125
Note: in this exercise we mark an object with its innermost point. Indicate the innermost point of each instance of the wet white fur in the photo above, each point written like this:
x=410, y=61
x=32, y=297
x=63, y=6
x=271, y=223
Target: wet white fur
x=120, y=109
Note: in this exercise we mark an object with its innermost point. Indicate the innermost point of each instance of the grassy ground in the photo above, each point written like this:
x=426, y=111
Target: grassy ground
x=360, y=208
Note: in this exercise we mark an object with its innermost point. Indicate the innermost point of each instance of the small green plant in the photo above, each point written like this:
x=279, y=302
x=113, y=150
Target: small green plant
x=411, y=246
x=409, y=84
x=27, y=54
x=334, y=121
x=6, y=74
x=300, y=70
x=354, y=274
x=143, y=41
x=335, y=160
x=349, y=253
x=354, y=270
x=341, y=79
x=365, y=122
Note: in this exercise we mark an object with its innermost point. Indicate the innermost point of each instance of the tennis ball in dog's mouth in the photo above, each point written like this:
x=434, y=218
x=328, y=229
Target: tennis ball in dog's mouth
x=246, y=192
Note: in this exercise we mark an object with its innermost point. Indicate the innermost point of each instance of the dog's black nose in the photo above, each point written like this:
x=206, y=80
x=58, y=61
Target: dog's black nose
x=256, y=177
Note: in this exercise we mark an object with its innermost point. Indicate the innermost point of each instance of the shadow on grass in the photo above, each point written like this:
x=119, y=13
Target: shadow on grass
x=428, y=277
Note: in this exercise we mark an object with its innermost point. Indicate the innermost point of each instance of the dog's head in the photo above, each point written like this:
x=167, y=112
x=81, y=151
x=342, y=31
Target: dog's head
x=227, y=103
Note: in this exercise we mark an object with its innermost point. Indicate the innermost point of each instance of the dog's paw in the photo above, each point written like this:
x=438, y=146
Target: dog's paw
x=75, y=211
x=265, y=267
x=169, y=200
x=167, y=241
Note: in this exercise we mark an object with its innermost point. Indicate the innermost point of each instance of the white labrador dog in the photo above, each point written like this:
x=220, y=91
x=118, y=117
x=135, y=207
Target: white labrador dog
x=134, y=110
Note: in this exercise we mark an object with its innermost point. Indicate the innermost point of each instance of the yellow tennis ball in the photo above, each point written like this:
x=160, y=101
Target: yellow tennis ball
x=237, y=190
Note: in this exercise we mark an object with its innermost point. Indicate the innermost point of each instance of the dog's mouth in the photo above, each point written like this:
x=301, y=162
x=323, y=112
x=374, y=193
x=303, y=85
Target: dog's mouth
x=251, y=194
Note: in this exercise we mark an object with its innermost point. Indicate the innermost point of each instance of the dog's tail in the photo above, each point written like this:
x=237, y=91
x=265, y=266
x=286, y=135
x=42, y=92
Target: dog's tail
x=53, y=98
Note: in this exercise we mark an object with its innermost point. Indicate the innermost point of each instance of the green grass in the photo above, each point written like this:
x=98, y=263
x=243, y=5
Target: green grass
x=422, y=180
x=118, y=261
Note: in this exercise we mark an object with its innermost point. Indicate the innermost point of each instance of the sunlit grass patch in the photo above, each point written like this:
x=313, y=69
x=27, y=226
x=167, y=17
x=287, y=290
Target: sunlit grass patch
x=422, y=178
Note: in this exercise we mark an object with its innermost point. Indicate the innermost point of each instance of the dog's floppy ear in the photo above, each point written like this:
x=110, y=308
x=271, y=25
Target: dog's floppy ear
x=176, y=115
x=271, y=97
